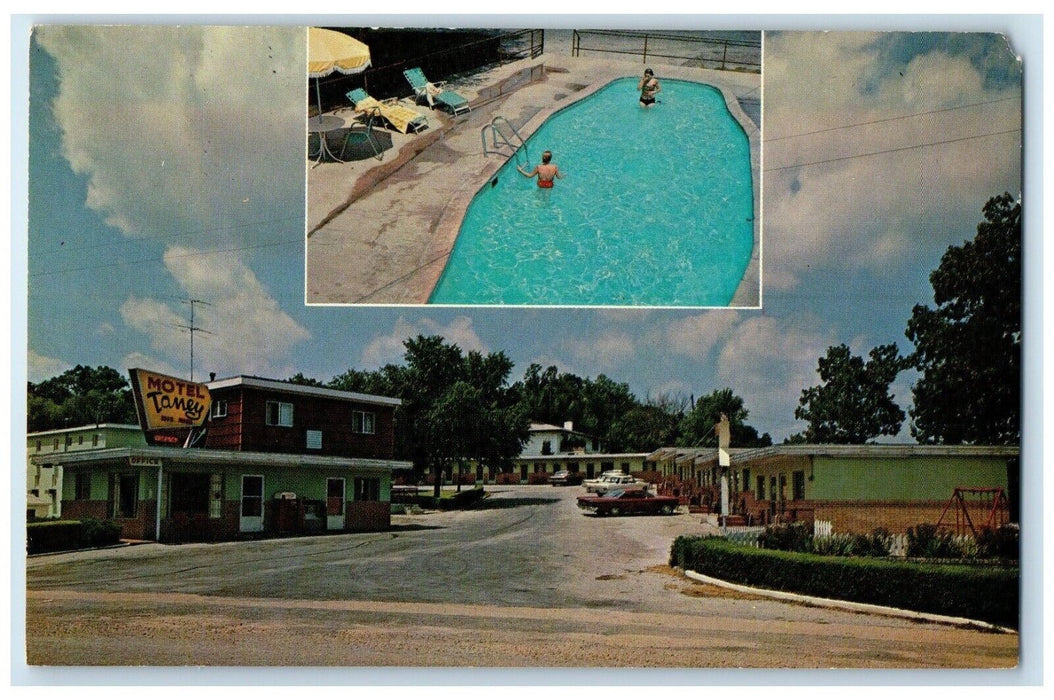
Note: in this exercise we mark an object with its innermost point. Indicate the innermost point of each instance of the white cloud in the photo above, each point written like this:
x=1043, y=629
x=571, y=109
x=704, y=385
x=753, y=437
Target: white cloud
x=389, y=348
x=768, y=362
x=39, y=367
x=605, y=350
x=859, y=211
x=243, y=330
x=175, y=127
x=696, y=336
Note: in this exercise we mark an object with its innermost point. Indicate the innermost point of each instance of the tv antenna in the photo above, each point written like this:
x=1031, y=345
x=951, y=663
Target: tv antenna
x=193, y=329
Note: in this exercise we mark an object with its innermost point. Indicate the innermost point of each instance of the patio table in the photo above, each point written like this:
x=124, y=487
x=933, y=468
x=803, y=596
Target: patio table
x=321, y=125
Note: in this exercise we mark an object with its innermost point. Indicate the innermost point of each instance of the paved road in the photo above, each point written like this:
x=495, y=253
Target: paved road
x=526, y=580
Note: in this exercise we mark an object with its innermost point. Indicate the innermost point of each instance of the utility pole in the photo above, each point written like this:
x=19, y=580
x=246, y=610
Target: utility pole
x=192, y=329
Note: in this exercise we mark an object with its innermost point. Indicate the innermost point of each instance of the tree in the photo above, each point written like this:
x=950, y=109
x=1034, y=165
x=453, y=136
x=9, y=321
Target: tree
x=697, y=428
x=80, y=396
x=852, y=405
x=968, y=348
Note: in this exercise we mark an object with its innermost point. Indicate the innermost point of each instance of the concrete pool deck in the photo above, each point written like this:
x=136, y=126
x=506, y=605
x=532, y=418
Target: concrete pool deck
x=380, y=232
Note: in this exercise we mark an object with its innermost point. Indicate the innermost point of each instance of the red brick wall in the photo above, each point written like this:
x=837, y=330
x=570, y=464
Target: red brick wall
x=75, y=510
x=864, y=516
x=368, y=516
x=245, y=426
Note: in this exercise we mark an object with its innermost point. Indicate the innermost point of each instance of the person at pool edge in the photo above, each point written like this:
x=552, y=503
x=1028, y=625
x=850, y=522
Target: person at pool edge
x=546, y=171
x=649, y=87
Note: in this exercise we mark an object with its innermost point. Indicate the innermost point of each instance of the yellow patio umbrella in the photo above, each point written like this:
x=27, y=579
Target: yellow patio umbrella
x=333, y=52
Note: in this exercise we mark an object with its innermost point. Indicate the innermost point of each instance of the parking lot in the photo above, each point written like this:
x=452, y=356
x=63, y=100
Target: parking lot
x=526, y=580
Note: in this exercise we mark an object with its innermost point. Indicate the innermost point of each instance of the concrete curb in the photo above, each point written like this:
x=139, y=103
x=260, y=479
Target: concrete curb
x=849, y=605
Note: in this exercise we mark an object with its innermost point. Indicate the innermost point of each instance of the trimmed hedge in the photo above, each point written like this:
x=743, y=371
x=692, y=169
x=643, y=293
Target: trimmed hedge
x=990, y=594
x=61, y=535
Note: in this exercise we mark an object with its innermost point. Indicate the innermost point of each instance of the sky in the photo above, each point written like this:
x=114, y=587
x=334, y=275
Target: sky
x=167, y=164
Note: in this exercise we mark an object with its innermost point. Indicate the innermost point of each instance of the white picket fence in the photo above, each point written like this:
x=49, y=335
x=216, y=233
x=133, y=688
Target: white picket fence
x=822, y=528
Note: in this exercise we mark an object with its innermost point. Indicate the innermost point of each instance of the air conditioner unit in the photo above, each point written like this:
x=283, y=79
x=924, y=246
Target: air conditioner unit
x=285, y=496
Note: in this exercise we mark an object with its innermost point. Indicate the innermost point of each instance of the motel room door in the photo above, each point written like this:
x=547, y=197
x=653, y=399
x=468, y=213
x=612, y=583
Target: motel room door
x=335, y=504
x=252, y=519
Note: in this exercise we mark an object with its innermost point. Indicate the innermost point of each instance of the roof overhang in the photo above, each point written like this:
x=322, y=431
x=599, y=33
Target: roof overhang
x=175, y=456
x=762, y=454
x=302, y=389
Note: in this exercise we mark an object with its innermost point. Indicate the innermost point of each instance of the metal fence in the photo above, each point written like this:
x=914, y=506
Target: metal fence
x=680, y=49
x=388, y=80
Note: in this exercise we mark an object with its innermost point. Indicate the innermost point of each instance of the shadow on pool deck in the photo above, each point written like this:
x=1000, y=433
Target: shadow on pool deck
x=380, y=232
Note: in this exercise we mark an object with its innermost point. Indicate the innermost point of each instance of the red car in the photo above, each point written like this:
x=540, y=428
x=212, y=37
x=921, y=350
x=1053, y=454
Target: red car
x=628, y=502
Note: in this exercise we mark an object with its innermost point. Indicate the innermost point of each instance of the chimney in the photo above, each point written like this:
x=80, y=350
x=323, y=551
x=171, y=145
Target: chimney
x=212, y=376
x=569, y=425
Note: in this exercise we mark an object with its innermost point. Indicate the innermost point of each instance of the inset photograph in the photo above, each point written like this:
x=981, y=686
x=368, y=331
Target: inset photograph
x=533, y=167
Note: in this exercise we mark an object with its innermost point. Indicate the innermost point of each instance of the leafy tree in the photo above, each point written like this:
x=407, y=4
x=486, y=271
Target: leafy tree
x=968, y=348
x=852, y=405
x=697, y=427
x=648, y=426
x=299, y=378
x=80, y=396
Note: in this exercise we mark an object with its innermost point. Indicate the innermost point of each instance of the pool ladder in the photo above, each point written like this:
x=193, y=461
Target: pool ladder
x=506, y=139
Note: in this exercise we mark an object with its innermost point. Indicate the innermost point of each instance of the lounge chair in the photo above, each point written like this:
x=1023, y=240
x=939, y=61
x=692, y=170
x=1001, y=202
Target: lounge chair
x=402, y=119
x=433, y=93
x=363, y=135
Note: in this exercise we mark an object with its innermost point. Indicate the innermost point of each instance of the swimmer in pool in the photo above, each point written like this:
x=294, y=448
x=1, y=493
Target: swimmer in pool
x=546, y=171
x=649, y=87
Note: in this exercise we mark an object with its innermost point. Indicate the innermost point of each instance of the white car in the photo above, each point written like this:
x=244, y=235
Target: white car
x=611, y=480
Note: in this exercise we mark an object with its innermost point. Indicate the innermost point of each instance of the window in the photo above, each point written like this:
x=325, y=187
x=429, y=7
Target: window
x=798, y=486
x=80, y=439
x=56, y=444
x=216, y=495
x=367, y=489
x=363, y=422
x=761, y=488
x=95, y=440
x=280, y=414
x=219, y=408
x=189, y=493
x=314, y=440
x=124, y=495
x=82, y=487
x=547, y=447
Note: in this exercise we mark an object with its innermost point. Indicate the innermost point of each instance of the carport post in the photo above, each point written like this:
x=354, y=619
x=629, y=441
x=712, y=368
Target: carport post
x=157, y=507
x=724, y=437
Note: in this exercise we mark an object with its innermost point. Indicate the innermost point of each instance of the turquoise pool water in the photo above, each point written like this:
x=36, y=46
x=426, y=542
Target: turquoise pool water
x=655, y=209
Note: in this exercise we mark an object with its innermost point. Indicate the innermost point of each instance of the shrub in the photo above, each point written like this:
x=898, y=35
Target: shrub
x=1002, y=542
x=59, y=535
x=877, y=544
x=981, y=593
x=507, y=478
x=924, y=540
x=99, y=533
x=787, y=537
x=835, y=545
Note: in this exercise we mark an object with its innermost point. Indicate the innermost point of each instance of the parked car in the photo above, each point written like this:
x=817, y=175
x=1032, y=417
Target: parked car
x=612, y=480
x=635, y=501
x=565, y=478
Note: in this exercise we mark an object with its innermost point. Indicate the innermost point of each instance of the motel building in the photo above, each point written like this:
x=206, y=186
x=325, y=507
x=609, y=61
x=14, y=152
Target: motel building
x=856, y=488
x=272, y=458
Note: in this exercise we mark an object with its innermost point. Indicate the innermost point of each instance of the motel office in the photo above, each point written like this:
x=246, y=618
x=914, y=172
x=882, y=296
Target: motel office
x=276, y=458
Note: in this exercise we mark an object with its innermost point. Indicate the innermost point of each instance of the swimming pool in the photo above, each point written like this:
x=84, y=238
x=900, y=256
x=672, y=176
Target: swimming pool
x=655, y=209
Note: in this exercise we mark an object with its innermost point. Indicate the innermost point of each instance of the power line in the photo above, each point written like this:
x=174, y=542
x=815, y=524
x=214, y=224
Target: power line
x=892, y=150
x=890, y=119
x=141, y=261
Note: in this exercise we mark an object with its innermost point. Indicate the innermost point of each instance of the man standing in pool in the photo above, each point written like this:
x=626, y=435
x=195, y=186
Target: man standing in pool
x=649, y=87
x=546, y=171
